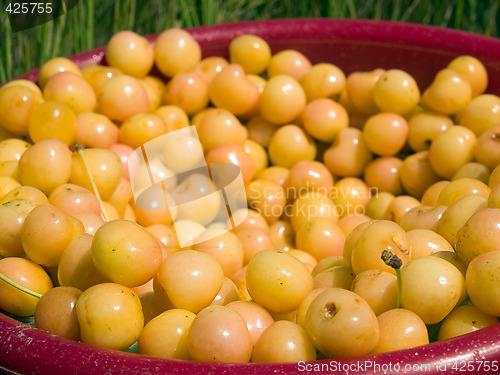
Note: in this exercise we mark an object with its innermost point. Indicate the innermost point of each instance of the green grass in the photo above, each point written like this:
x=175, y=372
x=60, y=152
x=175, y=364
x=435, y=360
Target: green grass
x=91, y=23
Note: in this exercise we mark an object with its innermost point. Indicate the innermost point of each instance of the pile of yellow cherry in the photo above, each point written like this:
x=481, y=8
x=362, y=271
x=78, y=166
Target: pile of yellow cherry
x=374, y=208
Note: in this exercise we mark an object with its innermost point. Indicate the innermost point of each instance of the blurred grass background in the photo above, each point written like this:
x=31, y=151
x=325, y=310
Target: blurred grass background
x=91, y=23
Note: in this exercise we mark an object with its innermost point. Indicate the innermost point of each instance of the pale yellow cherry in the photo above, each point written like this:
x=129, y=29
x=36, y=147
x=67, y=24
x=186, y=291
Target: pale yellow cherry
x=352, y=240
x=425, y=242
x=464, y=319
x=360, y=87
x=23, y=82
x=290, y=145
x=122, y=97
x=344, y=315
x=175, y=51
x=110, y=316
x=98, y=75
x=16, y=105
x=284, y=341
x=482, y=113
x=154, y=87
x=474, y=170
x=320, y=238
x=61, y=302
x=473, y=70
x=290, y=62
x=422, y=217
x=460, y=188
x=396, y=91
x=251, y=52
x=334, y=277
x=416, y=174
x=383, y=174
x=449, y=93
x=12, y=149
x=451, y=149
x=304, y=305
x=376, y=237
x=105, y=167
x=232, y=90
x=277, y=280
x=348, y=155
x=210, y=66
x=131, y=53
x=27, y=274
x=482, y=285
x=323, y=80
x=46, y=232
x=187, y=90
x=478, y=235
x=348, y=222
x=226, y=247
x=227, y=293
x=379, y=204
x=350, y=195
x=25, y=192
x=399, y=206
x=255, y=316
x=173, y=116
x=454, y=259
x=71, y=89
x=424, y=127
x=378, y=288
x=52, y=120
x=282, y=235
x=267, y=198
x=312, y=205
x=219, y=126
x=378, y=126
x=494, y=177
x=141, y=128
x=328, y=262
x=431, y=195
x=191, y=279
x=324, y=118
x=254, y=240
x=54, y=66
x=260, y=130
x=219, y=334
x=12, y=217
x=248, y=218
x=431, y=287
x=126, y=253
x=166, y=336
x=76, y=267
x=400, y=329
x=456, y=215
x=282, y=100
x=304, y=257
x=258, y=155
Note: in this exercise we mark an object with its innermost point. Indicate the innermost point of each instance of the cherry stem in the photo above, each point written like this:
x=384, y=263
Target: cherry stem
x=79, y=148
x=393, y=261
x=20, y=287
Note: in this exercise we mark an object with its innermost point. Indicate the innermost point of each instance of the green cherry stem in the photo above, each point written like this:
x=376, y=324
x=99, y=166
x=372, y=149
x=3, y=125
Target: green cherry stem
x=393, y=261
x=20, y=287
x=79, y=148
